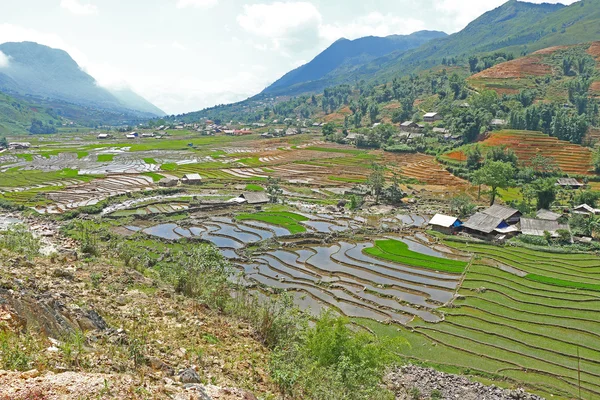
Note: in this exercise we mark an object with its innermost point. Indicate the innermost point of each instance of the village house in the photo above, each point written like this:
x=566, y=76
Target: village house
x=255, y=198
x=539, y=227
x=445, y=224
x=585, y=209
x=497, y=123
x=168, y=182
x=410, y=126
x=497, y=221
x=351, y=137
x=102, y=136
x=432, y=117
x=569, y=183
x=441, y=131
x=191, y=179
x=19, y=145
x=547, y=215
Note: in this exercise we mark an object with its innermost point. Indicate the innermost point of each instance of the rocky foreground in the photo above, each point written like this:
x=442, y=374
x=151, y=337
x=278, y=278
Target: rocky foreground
x=412, y=382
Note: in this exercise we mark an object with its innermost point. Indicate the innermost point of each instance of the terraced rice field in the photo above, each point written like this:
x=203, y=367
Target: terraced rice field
x=571, y=158
x=425, y=169
x=93, y=192
x=508, y=323
x=343, y=278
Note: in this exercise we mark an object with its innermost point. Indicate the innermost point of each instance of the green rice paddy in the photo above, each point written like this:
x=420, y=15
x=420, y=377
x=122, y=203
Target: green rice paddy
x=287, y=220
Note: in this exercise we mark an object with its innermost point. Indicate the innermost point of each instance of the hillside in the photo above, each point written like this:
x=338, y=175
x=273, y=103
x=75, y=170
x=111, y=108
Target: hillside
x=16, y=115
x=516, y=27
x=344, y=56
x=41, y=72
x=524, y=73
x=570, y=158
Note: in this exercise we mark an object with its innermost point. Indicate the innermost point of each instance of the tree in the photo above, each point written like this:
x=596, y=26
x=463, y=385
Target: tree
x=496, y=175
x=504, y=154
x=462, y=205
x=544, y=166
x=328, y=129
x=545, y=192
x=373, y=112
x=587, y=197
x=473, y=157
x=394, y=194
x=3, y=142
x=274, y=191
x=376, y=181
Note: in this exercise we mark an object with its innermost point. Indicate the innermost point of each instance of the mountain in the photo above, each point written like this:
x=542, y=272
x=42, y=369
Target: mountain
x=41, y=72
x=134, y=101
x=17, y=115
x=344, y=55
x=517, y=27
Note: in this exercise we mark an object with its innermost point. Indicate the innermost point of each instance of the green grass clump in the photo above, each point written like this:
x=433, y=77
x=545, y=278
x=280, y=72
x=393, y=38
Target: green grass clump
x=26, y=157
x=169, y=167
x=396, y=251
x=562, y=282
x=155, y=177
x=346, y=179
x=287, y=220
x=106, y=157
x=150, y=161
x=254, y=188
x=82, y=154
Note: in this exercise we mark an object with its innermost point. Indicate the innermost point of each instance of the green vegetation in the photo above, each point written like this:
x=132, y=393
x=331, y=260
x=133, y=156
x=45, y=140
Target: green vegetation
x=12, y=179
x=155, y=177
x=254, y=188
x=396, y=251
x=287, y=220
x=105, y=157
x=150, y=161
x=20, y=240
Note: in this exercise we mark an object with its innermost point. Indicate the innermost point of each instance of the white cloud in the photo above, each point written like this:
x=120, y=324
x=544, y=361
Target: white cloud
x=3, y=60
x=78, y=8
x=292, y=26
x=178, y=46
x=373, y=24
x=196, y=3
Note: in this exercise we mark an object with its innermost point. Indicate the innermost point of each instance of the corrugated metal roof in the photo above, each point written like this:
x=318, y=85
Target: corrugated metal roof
x=255, y=197
x=537, y=227
x=568, y=182
x=485, y=223
x=192, y=177
x=445, y=221
x=547, y=215
x=501, y=212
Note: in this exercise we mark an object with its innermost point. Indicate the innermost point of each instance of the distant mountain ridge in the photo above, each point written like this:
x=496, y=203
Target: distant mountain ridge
x=39, y=71
x=516, y=26
x=344, y=55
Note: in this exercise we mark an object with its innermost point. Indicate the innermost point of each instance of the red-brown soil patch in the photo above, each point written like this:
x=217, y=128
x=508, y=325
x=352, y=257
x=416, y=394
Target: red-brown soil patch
x=522, y=67
x=425, y=169
x=551, y=50
x=594, y=50
x=571, y=158
x=338, y=116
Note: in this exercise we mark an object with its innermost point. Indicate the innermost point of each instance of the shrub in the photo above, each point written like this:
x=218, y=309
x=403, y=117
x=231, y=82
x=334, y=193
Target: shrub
x=19, y=239
x=331, y=361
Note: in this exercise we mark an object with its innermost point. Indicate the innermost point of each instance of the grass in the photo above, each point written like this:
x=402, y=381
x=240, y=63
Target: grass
x=251, y=187
x=13, y=179
x=285, y=219
x=26, y=157
x=155, y=177
x=396, y=251
x=106, y=157
x=533, y=331
x=346, y=179
x=150, y=161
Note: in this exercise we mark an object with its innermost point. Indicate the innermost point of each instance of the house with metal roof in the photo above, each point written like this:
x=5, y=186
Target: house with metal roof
x=168, y=182
x=569, y=183
x=191, y=179
x=584, y=209
x=445, y=224
x=432, y=117
x=547, y=215
x=538, y=227
x=255, y=197
x=510, y=215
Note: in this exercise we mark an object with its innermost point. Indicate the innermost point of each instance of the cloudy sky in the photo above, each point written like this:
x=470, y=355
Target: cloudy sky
x=184, y=55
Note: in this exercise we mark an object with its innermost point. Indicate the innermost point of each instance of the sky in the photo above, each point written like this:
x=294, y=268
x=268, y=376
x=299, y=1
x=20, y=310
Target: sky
x=185, y=55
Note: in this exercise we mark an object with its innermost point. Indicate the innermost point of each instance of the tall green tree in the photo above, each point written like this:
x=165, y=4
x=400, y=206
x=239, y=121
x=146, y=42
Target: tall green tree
x=376, y=181
x=496, y=175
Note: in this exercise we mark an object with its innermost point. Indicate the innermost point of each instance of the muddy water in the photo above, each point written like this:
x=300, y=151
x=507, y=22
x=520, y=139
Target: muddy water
x=420, y=248
x=324, y=227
